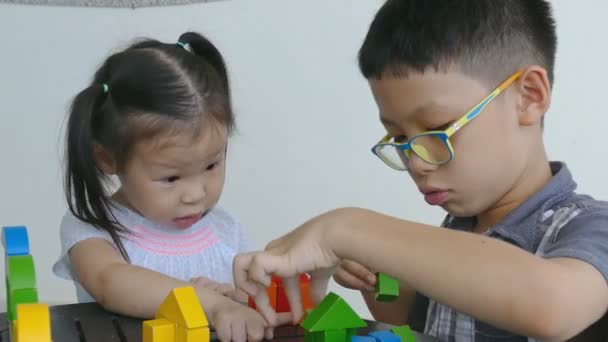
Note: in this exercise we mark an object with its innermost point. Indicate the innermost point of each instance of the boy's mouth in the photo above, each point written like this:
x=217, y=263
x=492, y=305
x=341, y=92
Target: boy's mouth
x=434, y=196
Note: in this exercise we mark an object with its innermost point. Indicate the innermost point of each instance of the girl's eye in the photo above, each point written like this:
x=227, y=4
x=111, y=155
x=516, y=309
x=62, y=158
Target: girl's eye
x=211, y=166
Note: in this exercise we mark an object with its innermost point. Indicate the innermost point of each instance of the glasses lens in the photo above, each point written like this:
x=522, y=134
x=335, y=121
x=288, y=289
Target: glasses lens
x=393, y=156
x=431, y=148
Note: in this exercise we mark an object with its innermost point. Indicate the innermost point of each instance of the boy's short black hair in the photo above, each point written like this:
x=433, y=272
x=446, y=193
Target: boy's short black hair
x=487, y=39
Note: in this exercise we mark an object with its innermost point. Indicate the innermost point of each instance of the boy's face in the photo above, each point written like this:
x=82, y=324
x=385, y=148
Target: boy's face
x=490, y=153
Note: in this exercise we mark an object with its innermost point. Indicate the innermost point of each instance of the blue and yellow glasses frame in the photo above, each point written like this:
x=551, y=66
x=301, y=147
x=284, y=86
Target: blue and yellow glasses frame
x=433, y=147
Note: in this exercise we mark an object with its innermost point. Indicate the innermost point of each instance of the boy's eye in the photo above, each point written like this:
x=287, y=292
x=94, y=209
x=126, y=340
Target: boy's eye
x=211, y=166
x=442, y=127
x=400, y=139
x=171, y=179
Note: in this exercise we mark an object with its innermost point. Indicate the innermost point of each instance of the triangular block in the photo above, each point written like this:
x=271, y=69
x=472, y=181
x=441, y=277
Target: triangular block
x=183, y=308
x=333, y=313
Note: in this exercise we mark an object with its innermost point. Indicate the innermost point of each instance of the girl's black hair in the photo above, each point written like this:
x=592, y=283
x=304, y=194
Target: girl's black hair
x=148, y=89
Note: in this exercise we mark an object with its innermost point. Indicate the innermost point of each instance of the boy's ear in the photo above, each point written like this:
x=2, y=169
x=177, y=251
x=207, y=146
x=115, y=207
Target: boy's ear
x=535, y=99
x=104, y=159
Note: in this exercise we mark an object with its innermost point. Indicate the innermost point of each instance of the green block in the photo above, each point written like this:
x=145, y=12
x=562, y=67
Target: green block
x=20, y=296
x=20, y=272
x=405, y=333
x=334, y=336
x=387, y=288
x=310, y=336
x=333, y=313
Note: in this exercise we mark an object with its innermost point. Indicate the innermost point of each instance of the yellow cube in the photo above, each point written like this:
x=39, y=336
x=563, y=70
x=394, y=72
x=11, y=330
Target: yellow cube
x=33, y=323
x=158, y=330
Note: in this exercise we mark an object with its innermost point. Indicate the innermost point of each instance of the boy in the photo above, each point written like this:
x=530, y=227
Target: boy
x=521, y=255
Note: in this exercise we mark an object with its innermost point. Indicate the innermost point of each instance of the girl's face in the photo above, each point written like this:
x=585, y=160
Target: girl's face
x=175, y=180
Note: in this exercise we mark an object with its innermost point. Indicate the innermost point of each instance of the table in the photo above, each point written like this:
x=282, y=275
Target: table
x=91, y=323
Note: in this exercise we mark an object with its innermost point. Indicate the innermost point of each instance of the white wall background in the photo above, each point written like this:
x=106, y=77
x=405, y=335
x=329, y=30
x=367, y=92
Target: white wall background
x=306, y=117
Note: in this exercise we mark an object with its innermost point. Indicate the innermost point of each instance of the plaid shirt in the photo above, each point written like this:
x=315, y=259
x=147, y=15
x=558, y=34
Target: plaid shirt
x=535, y=226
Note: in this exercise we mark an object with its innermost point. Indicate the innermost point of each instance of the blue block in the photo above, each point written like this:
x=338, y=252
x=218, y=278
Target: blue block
x=15, y=241
x=385, y=336
x=362, y=339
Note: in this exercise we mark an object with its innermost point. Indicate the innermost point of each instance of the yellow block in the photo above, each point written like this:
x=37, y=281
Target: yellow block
x=193, y=335
x=14, y=330
x=34, y=323
x=158, y=330
x=183, y=308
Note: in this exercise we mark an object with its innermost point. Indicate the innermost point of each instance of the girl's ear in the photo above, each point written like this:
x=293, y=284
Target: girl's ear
x=104, y=159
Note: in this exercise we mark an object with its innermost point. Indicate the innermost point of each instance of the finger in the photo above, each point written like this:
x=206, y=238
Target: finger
x=225, y=289
x=273, y=244
x=292, y=289
x=239, y=331
x=264, y=264
x=240, y=296
x=348, y=280
x=318, y=284
x=269, y=333
x=285, y=318
x=223, y=330
x=240, y=269
x=263, y=306
x=359, y=271
x=255, y=329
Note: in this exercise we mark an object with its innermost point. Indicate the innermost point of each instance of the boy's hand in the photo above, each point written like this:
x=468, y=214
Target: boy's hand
x=222, y=288
x=237, y=322
x=306, y=249
x=355, y=276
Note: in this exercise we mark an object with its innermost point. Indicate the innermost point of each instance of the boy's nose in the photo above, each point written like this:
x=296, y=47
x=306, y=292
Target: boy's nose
x=419, y=166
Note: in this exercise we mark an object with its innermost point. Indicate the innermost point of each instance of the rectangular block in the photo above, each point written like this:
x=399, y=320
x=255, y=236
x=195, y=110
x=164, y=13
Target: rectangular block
x=34, y=323
x=385, y=336
x=387, y=288
x=20, y=296
x=193, y=335
x=20, y=272
x=158, y=330
x=15, y=241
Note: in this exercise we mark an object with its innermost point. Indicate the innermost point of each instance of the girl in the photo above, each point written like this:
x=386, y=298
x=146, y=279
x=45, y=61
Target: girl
x=156, y=117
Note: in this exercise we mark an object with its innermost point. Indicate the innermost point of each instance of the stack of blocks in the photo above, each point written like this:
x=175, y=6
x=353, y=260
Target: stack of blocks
x=335, y=321
x=278, y=297
x=30, y=320
x=180, y=318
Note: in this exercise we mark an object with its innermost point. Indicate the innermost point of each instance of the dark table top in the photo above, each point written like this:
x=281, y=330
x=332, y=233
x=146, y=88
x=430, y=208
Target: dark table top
x=91, y=323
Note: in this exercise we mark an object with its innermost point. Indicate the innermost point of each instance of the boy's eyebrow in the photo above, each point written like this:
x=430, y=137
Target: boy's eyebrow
x=431, y=106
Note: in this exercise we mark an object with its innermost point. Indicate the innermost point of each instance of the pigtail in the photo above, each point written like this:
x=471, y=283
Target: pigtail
x=202, y=47
x=85, y=184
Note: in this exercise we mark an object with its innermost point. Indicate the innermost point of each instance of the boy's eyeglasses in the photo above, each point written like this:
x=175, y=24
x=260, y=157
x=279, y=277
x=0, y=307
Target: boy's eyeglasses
x=433, y=147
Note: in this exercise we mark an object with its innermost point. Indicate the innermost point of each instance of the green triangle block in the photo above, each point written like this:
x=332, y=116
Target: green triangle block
x=333, y=313
x=405, y=333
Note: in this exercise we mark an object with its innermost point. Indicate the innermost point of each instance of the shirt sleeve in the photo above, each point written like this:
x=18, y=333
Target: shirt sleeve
x=71, y=232
x=585, y=237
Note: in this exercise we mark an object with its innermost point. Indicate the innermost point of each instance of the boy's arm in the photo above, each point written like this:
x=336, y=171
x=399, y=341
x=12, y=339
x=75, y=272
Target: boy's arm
x=395, y=312
x=124, y=288
x=551, y=299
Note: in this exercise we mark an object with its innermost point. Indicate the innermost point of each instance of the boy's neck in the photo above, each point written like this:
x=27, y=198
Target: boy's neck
x=531, y=180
